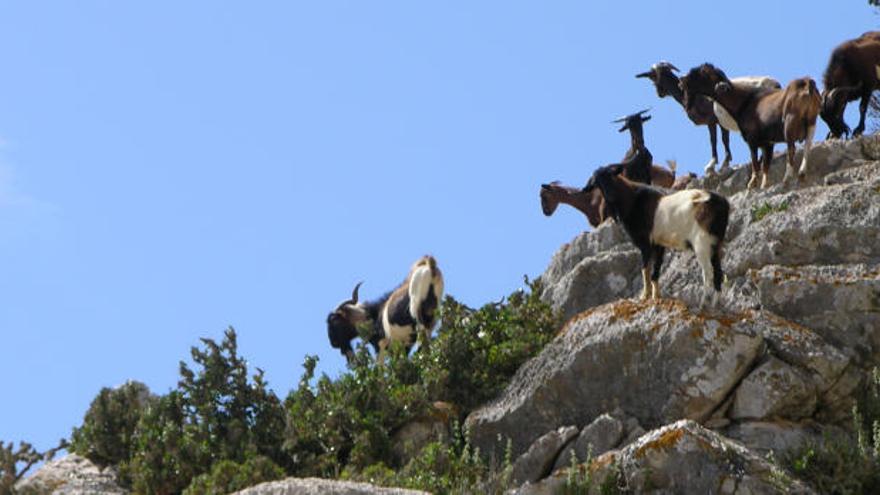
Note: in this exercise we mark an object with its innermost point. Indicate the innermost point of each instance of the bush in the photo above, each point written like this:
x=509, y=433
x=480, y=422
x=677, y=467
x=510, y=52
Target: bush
x=105, y=436
x=216, y=414
x=220, y=430
x=229, y=476
x=477, y=352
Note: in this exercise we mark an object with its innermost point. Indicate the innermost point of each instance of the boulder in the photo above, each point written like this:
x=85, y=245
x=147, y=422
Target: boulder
x=598, y=437
x=681, y=458
x=70, y=475
x=537, y=461
x=656, y=360
x=413, y=436
x=774, y=389
x=318, y=486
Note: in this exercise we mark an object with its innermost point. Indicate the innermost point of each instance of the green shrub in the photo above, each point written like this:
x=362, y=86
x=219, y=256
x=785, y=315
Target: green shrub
x=477, y=352
x=228, y=476
x=216, y=414
x=444, y=468
x=349, y=420
x=105, y=436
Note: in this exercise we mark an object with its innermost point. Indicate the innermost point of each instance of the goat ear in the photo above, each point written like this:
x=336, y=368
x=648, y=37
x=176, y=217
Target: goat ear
x=645, y=74
x=646, y=118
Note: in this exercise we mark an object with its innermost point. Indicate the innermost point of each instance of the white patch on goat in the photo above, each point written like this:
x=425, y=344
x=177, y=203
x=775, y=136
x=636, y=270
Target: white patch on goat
x=419, y=285
x=709, y=169
x=398, y=333
x=674, y=224
x=808, y=143
x=756, y=82
x=724, y=118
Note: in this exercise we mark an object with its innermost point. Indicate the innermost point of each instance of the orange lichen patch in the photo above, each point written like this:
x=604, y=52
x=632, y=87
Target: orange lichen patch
x=576, y=318
x=782, y=322
x=666, y=440
x=697, y=332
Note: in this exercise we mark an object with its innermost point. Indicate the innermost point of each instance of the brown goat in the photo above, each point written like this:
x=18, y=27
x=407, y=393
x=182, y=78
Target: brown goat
x=591, y=203
x=764, y=118
x=853, y=72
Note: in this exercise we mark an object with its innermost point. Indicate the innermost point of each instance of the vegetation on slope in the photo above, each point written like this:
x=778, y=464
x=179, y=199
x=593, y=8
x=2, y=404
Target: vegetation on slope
x=222, y=428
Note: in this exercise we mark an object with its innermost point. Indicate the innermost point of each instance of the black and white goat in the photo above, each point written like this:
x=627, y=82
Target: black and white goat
x=693, y=219
x=398, y=316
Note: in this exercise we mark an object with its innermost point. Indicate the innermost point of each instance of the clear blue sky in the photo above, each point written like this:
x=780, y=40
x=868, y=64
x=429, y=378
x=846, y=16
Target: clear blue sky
x=171, y=168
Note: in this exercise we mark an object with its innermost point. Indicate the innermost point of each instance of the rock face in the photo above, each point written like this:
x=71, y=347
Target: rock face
x=776, y=364
x=680, y=458
x=70, y=475
x=318, y=486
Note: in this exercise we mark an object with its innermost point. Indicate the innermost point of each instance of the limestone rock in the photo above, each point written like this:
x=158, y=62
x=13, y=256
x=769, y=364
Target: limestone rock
x=537, y=462
x=657, y=361
x=778, y=437
x=413, y=436
x=598, y=437
x=681, y=458
x=70, y=475
x=774, y=389
x=318, y=486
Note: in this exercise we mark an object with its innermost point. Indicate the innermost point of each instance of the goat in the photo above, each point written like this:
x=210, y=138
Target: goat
x=702, y=110
x=764, y=117
x=591, y=203
x=853, y=72
x=397, y=316
x=662, y=74
x=694, y=219
x=638, y=161
x=343, y=321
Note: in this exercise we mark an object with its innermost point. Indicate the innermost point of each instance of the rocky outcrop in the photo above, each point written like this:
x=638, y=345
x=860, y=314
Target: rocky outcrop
x=776, y=364
x=680, y=458
x=318, y=486
x=70, y=475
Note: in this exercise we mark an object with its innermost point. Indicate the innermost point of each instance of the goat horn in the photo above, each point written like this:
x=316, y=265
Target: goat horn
x=354, y=293
x=676, y=69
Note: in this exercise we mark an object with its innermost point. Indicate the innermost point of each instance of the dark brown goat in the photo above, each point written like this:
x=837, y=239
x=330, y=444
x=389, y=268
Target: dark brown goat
x=700, y=112
x=764, y=117
x=853, y=73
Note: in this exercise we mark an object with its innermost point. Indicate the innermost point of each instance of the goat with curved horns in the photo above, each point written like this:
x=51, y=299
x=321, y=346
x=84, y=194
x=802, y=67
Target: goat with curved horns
x=397, y=316
x=693, y=219
x=764, y=117
x=853, y=73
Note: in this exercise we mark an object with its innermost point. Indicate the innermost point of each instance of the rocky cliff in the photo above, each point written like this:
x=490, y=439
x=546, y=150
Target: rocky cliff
x=777, y=363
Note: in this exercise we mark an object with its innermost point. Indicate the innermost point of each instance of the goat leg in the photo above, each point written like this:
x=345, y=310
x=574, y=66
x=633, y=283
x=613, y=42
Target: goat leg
x=725, y=139
x=709, y=169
